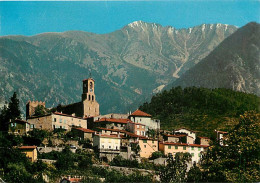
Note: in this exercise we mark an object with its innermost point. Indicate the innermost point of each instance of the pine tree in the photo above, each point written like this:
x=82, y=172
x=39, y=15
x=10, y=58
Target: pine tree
x=10, y=112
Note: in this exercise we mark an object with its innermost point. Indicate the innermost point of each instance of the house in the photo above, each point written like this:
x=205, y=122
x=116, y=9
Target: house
x=30, y=151
x=18, y=127
x=111, y=123
x=170, y=148
x=139, y=116
x=203, y=140
x=83, y=133
x=56, y=120
x=108, y=146
x=196, y=152
x=147, y=146
x=190, y=133
x=136, y=128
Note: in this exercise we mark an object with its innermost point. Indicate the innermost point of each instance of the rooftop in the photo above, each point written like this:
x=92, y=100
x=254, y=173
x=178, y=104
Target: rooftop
x=85, y=130
x=140, y=113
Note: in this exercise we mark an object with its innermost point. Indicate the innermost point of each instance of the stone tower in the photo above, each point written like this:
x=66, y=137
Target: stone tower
x=90, y=105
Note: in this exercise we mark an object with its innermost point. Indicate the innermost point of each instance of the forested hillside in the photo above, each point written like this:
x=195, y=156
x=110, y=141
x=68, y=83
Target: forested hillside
x=200, y=109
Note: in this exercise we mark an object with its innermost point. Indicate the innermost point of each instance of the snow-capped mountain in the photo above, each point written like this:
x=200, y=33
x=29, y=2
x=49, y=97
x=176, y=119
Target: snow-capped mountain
x=127, y=64
x=234, y=64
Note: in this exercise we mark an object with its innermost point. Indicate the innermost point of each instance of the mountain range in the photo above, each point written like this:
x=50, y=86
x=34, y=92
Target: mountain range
x=128, y=65
x=234, y=64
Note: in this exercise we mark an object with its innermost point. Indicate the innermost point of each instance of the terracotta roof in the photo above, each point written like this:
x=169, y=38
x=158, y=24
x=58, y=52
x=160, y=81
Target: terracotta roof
x=113, y=120
x=27, y=147
x=198, y=145
x=113, y=130
x=221, y=132
x=140, y=113
x=85, y=130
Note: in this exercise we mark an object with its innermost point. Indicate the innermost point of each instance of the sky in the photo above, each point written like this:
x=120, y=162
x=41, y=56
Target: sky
x=34, y=17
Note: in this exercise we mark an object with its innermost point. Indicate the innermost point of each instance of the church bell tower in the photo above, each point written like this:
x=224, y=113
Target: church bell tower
x=90, y=105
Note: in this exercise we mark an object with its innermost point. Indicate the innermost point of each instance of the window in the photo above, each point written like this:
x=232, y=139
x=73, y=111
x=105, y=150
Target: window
x=102, y=146
x=32, y=126
x=192, y=148
x=53, y=126
x=199, y=155
x=199, y=149
x=109, y=147
x=60, y=120
x=140, y=119
x=137, y=126
x=89, y=97
x=54, y=119
x=64, y=121
x=143, y=127
x=92, y=98
x=144, y=141
x=153, y=142
x=176, y=147
x=144, y=146
x=169, y=147
x=192, y=154
x=184, y=147
x=40, y=126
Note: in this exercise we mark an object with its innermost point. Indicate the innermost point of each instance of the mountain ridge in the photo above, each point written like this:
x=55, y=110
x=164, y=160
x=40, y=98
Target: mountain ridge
x=127, y=64
x=233, y=64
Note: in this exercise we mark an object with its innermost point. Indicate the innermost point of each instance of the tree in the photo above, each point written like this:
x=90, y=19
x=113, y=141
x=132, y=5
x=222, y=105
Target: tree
x=13, y=107
x=156, y=155
x=176, y=168
x=65, y=159
x=238, y=161
x=10, y=112
x=194, y=174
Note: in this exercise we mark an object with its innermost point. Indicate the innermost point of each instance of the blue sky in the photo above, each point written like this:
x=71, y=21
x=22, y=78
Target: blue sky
x=30, y=18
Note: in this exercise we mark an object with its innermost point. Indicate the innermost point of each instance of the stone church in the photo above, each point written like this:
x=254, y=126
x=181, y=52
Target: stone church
x=87, y=107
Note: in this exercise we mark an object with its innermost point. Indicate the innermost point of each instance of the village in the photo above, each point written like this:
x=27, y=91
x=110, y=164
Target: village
x=133, y=136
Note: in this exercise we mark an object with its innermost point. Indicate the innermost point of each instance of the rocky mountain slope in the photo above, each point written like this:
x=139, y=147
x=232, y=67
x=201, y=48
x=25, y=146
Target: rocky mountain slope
x=127, y=64
x=234, y=64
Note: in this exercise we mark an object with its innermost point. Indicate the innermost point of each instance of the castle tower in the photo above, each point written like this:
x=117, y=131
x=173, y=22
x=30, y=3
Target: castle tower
x=90, y=105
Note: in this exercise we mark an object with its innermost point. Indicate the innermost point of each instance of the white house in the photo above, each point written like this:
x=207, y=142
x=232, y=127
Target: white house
x=105, y=142
x=186, y=131
x=146, y=119
x=196, y=151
